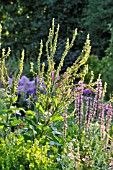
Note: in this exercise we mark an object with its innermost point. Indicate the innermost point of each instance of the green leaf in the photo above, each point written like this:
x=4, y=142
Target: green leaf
x=30, y=113
x=12, y=109
x=56, y=118
x=15, y=122
x=14, y=99
x=40, y=107
x=56, y=101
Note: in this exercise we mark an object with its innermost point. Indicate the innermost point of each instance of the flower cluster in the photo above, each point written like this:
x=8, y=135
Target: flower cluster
x=28, y=87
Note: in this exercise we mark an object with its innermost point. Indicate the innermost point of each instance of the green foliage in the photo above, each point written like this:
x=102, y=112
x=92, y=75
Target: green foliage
x=17, y=154
x=88, y=16
x=97, y=16
x=51, y=133
x=25, y=24
x=59, y=94
x=86, y=153
x=103, y=67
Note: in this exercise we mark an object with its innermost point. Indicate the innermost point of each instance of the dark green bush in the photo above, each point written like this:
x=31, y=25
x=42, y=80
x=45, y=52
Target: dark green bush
x=103, y=67
x=26, y=23
x=97, y=16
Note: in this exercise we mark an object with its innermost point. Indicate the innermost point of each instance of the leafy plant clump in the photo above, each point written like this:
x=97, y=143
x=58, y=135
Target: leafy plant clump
x=51, y=122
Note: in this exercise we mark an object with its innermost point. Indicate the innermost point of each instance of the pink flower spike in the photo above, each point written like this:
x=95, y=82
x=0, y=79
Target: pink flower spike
x=64, y=76
x=53, y=72
x=58, y=77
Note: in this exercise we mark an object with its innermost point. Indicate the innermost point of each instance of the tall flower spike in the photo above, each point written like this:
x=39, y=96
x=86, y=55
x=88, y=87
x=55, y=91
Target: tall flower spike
x=79, y=62
x=67, y=47
x=86, y=51
x=3, y=69
x=51, y=46
x=88, y=112
x=54, y=47
x=108, y=120
x=98, y=98
x=104, y=90
x=39, y=56
x=19, y=74
x=101, y=117
x=79, y=104
x=92, y=77
x=42, y=71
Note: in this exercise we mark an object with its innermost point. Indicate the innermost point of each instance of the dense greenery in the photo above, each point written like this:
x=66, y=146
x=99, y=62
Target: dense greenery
x=97, y=17
x=50, y=122
x=25, y=23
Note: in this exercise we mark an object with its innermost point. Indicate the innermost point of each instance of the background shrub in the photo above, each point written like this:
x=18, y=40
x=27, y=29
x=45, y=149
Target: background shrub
x=97, y=17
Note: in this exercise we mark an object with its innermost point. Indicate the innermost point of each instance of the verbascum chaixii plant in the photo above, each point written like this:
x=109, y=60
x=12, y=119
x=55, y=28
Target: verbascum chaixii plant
x=54, y=92
x=69, y=122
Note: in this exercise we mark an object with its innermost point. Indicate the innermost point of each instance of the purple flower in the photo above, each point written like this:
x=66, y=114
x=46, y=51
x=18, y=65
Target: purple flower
x=10, y=81
x=38, y=79
x=26, y=86
x=88, y=91
x=31, y=90
x=23, y=81
x=31, y=84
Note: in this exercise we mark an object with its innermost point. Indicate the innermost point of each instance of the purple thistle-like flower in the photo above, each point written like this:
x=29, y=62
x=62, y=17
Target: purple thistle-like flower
x=26, y=86
x=23, y=81
x=88, y=91
x=31, y=91
x=31, y=84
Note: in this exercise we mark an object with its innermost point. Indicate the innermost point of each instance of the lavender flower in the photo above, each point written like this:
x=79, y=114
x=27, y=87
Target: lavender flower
x=108, y=120
x=101, y=117
x=79, y=103
x=10, y=81
x=23, y=81
x=97, y=99
x=37, y=79
x=88, y=91
x=26, y=86
x=88, y=111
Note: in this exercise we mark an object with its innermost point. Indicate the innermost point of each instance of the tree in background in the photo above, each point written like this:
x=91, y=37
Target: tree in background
x=97, y=17
x=25, y=23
